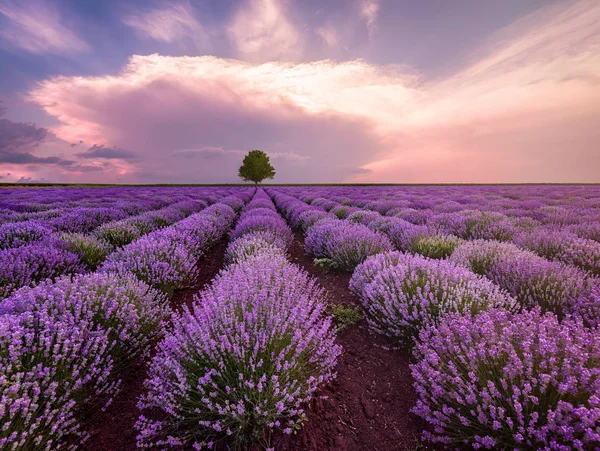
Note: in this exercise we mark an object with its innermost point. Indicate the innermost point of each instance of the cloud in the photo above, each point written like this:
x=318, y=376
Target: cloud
x=20, y=135
x=329, y=34
x=369, y=10
x=100, y=151
x=171, y=23
x=515, y=112
x=37, y=27
x=261, y=30
x=7, y=156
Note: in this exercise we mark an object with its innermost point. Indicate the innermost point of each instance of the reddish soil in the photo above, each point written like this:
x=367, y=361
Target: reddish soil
x=368, y=404
x=112, y=430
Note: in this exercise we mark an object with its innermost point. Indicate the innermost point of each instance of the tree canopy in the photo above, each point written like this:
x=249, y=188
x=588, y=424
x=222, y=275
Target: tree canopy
x=256, y=167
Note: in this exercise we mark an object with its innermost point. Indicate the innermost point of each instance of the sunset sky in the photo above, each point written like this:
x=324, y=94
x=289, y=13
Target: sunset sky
x=401, y=91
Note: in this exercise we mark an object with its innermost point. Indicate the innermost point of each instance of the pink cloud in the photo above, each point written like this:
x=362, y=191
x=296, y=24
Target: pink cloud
x=37, y=26
x=522, y=109
x=262, y=30
x=171, y=23
x=369, y=10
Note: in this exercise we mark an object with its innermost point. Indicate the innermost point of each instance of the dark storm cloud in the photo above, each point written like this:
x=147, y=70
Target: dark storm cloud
x=109, y=153
x=19, y=135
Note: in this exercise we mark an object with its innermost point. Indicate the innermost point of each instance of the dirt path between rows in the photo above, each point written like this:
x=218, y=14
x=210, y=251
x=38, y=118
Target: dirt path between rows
x=368, y=404
x=113, y=429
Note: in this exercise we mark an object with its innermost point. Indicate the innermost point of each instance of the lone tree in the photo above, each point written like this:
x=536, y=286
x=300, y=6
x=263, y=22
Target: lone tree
x=256, y=167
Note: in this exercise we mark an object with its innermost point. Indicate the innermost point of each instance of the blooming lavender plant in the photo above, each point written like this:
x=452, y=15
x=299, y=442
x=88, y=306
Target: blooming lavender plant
x=562, y=245
x=364, y=217
x=245, y=359
x=132, y=314
x=64, y=345
x=345, y=243
x=435, y=246
x=531, y=279
x=165, y=216
x=274, y=224
x=49, y=369
x=365, y=272
x=91, y=251
x=28, y=265
x=416, y=292
x=160, y=259
x=587, y=306
x=117, y=234
x=22, y=233
x=401, y=233
x=506, y=381
x=307, y=219
x=252, y=244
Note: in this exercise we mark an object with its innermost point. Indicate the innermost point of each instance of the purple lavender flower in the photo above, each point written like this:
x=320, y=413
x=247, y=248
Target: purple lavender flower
x=63, y=344
x=118, y=233
x=245, y=359
x=416, y=292
x=529, y=278
x=252, y=244
x=564, y=246
x=364, y=217
x=273, y=224
x=307, y=218
x=401, y=233
x=161, y=259
x=28, y=265
x=90, y=250
x=347, y=244
x=587, y=306
x=435, y=246
x=500, y=380
x=22, y=233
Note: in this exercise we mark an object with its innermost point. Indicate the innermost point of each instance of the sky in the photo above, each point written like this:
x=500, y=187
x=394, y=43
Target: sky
x=352, y=91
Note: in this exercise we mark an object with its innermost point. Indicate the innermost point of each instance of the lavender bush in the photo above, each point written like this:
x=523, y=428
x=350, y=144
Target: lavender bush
x=435, y=246
x=245, y=359
x=307, y=219
x=91, y=251
x=117, y=234
x=28, y=265
x=532, y=280
x=62, y=345
x=49, y=369
x=252, y=244
x=160, y=259
x=22, y=233
x=508, y=381
x=563, y=246
x=273, y=224
x=587, y=306
x=345, y=243
x=365, y=272
x=417, y=292
x=132, y=314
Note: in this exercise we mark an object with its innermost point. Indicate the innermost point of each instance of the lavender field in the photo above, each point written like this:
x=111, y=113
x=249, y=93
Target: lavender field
x=300, y=318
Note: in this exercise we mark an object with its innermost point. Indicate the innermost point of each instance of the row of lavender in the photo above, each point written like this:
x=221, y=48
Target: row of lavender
x=565, y=285
x=82, y=209
x=507, y=343
x=82, y=238
x=64, y=344
x=557, y=223
x=249, y=353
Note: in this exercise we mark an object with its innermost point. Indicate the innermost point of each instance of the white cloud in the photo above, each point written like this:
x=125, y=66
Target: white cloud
x=171, y=23
x=261, y=31
x=37, y=27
